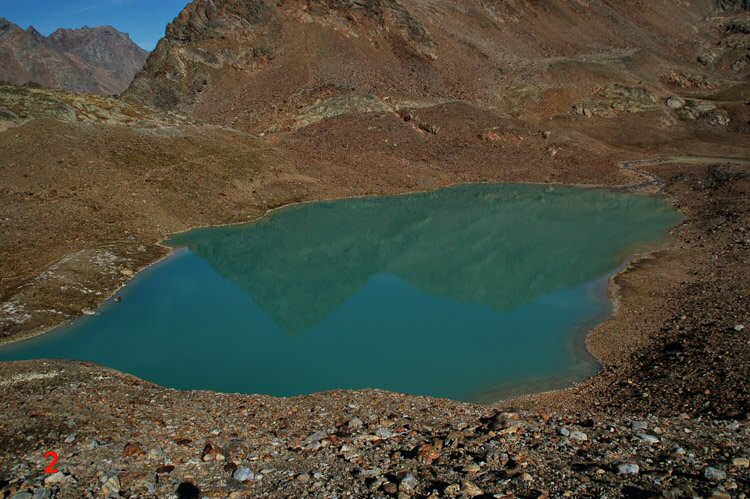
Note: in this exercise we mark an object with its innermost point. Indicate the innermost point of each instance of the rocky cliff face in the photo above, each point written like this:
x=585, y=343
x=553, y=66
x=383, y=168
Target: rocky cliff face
x=96, y=60
x=258, y=64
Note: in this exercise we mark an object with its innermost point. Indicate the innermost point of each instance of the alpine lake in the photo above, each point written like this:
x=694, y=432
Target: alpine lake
x=472, y=293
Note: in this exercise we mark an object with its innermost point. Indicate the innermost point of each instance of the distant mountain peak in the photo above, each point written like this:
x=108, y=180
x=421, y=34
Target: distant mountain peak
x=99, y=60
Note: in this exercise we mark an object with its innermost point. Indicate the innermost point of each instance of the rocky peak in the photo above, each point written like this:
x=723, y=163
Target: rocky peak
x=202, y=18
x=6, y=25
x=34, y=33
x=98, y=60
x=103, y=46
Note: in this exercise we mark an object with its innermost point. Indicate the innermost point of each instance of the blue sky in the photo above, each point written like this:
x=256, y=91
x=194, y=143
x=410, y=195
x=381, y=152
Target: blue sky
x=144, y=20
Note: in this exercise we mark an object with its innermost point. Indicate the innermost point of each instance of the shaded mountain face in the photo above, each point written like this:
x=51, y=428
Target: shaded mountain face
x=268, y=66
x=95, y=60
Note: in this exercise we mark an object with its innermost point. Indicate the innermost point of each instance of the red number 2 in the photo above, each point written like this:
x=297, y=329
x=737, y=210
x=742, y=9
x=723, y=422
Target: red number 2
x=51, y=468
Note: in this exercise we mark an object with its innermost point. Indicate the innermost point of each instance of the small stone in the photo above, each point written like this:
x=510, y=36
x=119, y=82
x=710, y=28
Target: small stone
x=720, y=120
x=578, y=435
x=428, y=454
x=408, y=483
x=526, y=477
x=376, y=484
x=70, y=438
x=58, y=477
x=315, y=437
x=384, y=433
x=390, y=488
x=563, y=431
x=472, y=468
x=164, y=470
x=546, y=134
x=111, y=486
x=675, y=102
x=470, y=490
x=452, y=490
x=372, y=473
x=649, y=439
x=132, y=449
x=720, y=494
x=355, y=423
x=714, y=474
x=22, y=495
x=638, y=426
x=303, y=477
x=741, y=462
x=243, y=474
x=628, y=469
x=739, y=327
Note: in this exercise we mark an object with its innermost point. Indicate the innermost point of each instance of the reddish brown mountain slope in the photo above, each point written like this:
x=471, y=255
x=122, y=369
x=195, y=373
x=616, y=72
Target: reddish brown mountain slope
x=95, y=60
x=254, y=63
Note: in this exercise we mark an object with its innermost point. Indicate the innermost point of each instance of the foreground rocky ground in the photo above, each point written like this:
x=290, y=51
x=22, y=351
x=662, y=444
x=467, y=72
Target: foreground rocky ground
x=156, y=442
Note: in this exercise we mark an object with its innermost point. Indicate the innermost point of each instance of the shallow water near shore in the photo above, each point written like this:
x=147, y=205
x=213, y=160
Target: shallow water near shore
x=467, y=293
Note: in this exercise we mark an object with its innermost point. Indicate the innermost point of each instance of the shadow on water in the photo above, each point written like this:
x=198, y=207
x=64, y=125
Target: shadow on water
x=465, y=293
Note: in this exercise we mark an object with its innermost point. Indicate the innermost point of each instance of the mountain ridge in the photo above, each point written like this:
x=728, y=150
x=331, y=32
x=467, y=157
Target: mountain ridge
x=253, y=63
x=99, y=60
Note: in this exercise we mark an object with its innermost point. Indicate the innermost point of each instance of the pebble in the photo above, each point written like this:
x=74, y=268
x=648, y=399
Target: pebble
x=164, y=470
x=384, y=433
x=468, y=489
x=675, y=102
x=739, y=327
x=316, y=437
x=563, y=431
x=408, y=483
x=243, y=474
x=649, y=439
x=355, y=423
x=111, y=486
x=741, y=462
x=390, y=488
x=375, y=472
x=714, y=474
x=58, y=477
x=452, y=490
x=578, y=435
x=637, y=426
x=628, y=469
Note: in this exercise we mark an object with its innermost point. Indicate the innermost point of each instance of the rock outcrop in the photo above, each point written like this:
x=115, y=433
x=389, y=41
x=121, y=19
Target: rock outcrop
x=95, y=60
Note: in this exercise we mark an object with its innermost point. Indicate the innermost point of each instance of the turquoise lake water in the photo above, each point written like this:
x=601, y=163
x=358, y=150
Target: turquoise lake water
x=470, y=293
